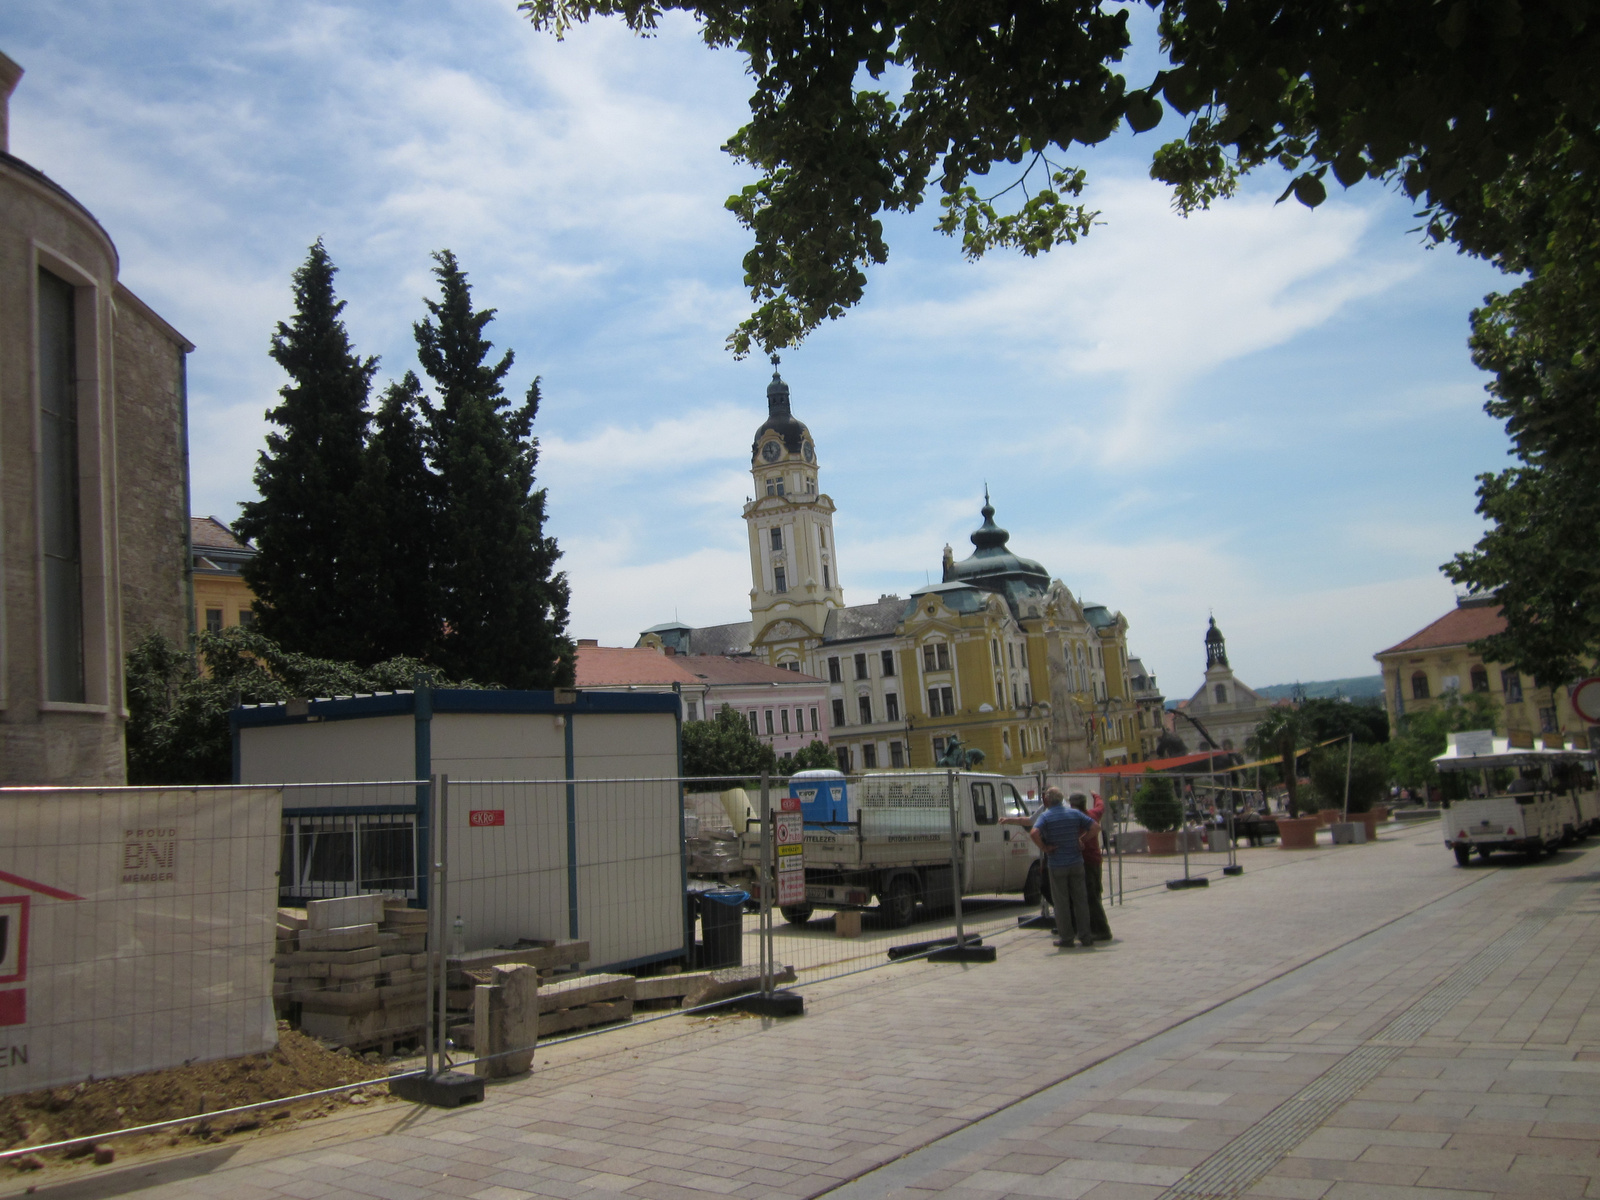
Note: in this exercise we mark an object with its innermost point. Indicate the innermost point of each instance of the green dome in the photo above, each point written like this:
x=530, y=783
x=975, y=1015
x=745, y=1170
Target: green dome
x=992, y=565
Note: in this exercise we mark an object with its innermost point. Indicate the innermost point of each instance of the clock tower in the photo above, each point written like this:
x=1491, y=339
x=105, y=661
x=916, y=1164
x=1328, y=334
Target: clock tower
x=794, y=569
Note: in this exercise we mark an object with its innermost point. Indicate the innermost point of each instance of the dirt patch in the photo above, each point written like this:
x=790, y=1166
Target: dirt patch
x=299, y=1064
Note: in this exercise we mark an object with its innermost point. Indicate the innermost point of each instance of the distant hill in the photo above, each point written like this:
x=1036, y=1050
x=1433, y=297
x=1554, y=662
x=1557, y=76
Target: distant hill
x=1363, y=687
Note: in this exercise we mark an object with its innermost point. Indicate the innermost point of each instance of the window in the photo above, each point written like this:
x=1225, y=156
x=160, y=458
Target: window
x=938, y=748
x=772, y=487
x=838, y=714
x=693, y=711
x=754, y=728
x=213, y=620
x=933, y=702
x=1005, y=743
x=897, y=754
x=777, y=537
x=823, y=534
x=834, y=674
x=985, y=810
x=1419, y=685
x=813, y=720
x=994, y=648
x=1547, y=720
x=1221, y=693
x=792, y=666
x=1512, y=683
x=826, y=584
x=1014, y=696
x=778, y=485
x=869, y=756
x=58, y=490
x=887, y=656
x=780, y=581
x=944, y=655
x=1011, y=653
x=769, y=721
x=1480, y=679
x=843, y=755
x=927, y=657
x=861, y=666
x=1027, y=692
x=247, y=618
x=783, y=720
x=800, y=720
x=947, y=695
x=891, y=707
x=1022, y=651
x=864, y=703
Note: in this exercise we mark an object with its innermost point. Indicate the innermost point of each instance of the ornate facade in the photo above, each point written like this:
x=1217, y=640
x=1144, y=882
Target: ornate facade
x=996, y=654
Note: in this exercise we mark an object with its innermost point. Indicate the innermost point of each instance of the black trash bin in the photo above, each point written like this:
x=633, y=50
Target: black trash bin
x=722, y=928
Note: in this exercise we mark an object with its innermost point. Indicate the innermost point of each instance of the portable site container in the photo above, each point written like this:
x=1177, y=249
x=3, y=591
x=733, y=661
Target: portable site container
x=593, y=850
x=824, y=796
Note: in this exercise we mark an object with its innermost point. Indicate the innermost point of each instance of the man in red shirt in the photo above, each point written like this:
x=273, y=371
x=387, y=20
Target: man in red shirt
x=1099, y=926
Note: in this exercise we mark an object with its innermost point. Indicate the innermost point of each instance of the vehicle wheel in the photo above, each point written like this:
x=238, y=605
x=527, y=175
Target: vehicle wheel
x=1484, y=852
x=1032, y=887
x=796, y=914
x=1463, y=855
x=900, y=905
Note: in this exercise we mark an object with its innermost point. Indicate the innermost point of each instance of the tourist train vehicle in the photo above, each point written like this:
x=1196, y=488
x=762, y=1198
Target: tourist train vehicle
x=1520, y=799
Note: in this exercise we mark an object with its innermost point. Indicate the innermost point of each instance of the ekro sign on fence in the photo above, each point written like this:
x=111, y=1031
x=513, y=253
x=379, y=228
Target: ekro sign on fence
x=136, y=930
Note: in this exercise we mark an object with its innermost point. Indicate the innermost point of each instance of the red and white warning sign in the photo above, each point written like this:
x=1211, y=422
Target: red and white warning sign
x=791, y=887
x=788, y=829
x=1586, y=699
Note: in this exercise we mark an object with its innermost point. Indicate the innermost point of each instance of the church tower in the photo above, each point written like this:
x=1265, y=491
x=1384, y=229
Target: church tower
x=794, y=566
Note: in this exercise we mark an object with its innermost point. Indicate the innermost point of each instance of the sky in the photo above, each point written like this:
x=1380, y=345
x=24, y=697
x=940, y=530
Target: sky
x=1259, y=412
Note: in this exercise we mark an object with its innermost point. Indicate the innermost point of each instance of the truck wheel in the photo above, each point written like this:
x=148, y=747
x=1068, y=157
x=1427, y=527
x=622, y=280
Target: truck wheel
x=1032, y=887
x=796, y=914
x=1463, y=855
x=900, y=904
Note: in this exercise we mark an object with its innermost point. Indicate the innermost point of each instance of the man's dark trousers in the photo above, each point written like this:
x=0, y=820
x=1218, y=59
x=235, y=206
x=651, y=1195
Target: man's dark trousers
x=1069, y=895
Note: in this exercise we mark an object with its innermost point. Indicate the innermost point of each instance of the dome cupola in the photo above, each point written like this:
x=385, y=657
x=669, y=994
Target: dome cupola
x=1216, y=647
x=992, y=565
x=793, y=436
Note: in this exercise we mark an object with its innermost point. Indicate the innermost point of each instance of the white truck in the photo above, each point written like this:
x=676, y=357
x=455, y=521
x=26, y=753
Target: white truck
x=1523, y=800
x=895, y=847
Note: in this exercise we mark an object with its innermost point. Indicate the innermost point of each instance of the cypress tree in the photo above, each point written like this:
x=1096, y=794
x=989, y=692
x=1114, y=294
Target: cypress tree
x=310, y=594
x=397, y=499
x=503, y=604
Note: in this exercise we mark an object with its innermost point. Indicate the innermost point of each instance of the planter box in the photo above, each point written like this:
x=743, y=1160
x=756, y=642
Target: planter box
x=1329, y=816
x=1161, y=843
x=1299, y=834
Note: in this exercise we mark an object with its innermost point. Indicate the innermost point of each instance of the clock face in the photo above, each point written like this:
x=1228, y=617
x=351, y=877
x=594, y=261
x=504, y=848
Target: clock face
x=808, y=451
x=770, y=451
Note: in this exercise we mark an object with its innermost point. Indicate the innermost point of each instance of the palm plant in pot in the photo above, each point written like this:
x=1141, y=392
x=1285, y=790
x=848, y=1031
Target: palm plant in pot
x=1281, y=735
x=1156, y=807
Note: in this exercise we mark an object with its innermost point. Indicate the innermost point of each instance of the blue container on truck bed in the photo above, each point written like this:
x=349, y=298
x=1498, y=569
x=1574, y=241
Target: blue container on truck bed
x=824, y=796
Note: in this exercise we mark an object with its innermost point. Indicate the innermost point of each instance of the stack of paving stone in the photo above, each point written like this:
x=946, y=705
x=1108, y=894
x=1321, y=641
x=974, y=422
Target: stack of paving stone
x=357, y=970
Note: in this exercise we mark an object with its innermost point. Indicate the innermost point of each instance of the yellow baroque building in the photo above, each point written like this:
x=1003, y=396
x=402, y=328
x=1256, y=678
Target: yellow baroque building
x=221, y=596
x=996, y=654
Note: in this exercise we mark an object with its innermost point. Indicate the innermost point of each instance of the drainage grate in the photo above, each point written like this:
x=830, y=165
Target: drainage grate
x=1253, y=1153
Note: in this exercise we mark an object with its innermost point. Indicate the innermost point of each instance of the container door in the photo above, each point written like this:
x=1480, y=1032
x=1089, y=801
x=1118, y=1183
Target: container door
x=986, y=846
x=1020, y=850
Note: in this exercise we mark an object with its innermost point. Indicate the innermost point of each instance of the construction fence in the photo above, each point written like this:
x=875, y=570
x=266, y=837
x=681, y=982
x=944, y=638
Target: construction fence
x=465, y=921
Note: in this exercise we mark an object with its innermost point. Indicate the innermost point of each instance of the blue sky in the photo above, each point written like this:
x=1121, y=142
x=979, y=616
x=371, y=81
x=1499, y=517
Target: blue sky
x=1261, y=411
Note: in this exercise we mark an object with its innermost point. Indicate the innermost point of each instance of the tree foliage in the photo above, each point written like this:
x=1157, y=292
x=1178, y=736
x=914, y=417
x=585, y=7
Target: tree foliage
x=1541, y=341
x=1423, y=735
x=178, y=718
x=1369, y=775
x=860, y=107
x=1156, y=805
x=726, y=746
x=1282, y=734
x=813, y=757
x=309, y=522
x=1327, y=718
x=502, y=603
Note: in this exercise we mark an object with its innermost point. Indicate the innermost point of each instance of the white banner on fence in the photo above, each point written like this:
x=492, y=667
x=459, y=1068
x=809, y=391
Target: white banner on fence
x=136, y=930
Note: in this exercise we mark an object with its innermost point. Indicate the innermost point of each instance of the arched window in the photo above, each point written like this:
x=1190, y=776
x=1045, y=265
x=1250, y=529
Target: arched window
x=1221, y=694
x=1480, y=679
x=1419, y=685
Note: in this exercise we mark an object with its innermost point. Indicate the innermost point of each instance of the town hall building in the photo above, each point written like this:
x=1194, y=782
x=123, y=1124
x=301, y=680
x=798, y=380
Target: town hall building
x=997, y=654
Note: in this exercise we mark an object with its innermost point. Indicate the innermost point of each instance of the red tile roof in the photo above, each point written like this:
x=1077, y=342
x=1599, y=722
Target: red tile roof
x=616, y=666
x=1456, y=628
x=718, y=668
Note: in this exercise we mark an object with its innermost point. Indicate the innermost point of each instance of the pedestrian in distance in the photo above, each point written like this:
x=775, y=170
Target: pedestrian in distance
x=1057, y=831
x=1089, y=844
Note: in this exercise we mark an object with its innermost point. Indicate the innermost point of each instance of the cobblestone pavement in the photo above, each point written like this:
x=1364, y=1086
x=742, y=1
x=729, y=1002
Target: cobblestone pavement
x=1361, y=1022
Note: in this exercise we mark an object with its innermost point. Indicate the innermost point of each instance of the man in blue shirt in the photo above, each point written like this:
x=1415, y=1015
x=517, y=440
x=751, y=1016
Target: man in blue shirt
x=1056, y=831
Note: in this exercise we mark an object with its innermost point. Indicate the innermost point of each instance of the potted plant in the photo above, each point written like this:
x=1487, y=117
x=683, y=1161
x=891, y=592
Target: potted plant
x=1280, y=736
x=1156, y=807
